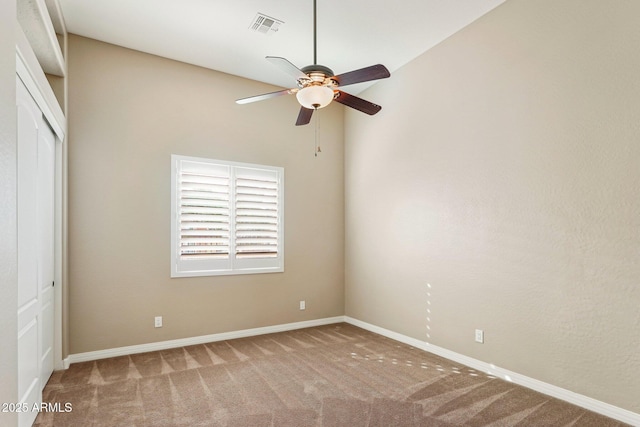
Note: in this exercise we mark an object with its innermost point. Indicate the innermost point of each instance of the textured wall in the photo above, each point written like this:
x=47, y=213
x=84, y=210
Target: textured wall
x=128, y=113
x=8, y=226
x=499, y=189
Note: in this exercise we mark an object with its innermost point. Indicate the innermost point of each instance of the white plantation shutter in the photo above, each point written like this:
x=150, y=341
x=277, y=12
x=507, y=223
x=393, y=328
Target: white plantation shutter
x=256, y=214
x=204, y=215
x=226, y=218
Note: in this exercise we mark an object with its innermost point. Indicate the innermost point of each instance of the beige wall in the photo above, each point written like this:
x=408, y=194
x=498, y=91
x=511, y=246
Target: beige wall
x=8, y=228
x=128, y=113
x=504, y=172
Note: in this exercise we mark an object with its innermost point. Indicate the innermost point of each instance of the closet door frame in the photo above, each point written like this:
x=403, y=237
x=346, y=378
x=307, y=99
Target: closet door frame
x=29, y=71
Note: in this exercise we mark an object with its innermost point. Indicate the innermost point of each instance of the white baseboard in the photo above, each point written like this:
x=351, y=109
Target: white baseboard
x=164, y=345
x=531, y=383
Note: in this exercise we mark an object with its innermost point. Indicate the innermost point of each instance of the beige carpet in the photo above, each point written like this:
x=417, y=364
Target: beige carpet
x=336, y=375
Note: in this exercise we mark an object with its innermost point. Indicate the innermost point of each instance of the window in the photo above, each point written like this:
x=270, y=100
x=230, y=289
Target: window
x=226, y=217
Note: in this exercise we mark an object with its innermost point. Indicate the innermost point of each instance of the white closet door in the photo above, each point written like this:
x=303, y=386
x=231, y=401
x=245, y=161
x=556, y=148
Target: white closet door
x=46, y=188
x=29, y=390
x=36, y=165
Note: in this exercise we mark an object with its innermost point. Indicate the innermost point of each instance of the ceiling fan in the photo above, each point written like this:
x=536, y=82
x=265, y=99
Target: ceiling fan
x=318, y=86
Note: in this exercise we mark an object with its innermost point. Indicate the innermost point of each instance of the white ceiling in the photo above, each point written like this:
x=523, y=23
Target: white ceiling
x=215, y=33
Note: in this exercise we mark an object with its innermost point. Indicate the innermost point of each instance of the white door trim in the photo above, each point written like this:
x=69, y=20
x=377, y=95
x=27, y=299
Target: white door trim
x=31, y=74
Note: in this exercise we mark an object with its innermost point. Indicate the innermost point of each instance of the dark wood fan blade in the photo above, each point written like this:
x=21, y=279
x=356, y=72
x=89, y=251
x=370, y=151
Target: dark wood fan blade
x=304, y=116
x=263, y=96
x=287, y=67
x=374, y=72
x=357, y=103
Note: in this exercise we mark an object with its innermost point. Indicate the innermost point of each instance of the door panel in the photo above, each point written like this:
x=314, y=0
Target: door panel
x=46, y=168
x=28, y=371
x=29, y=391
x=27, y=205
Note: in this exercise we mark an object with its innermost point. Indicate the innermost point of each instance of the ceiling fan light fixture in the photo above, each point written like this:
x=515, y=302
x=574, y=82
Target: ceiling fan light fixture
x=318, y=85
x=314, y=97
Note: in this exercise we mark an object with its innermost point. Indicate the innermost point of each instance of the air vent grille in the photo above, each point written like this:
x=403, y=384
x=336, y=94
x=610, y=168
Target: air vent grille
x=265, y=24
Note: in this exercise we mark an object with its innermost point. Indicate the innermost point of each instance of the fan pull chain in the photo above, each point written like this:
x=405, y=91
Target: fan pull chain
x=317, y=132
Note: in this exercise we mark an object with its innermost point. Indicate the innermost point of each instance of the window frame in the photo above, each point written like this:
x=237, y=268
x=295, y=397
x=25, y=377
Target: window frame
x=233, y=265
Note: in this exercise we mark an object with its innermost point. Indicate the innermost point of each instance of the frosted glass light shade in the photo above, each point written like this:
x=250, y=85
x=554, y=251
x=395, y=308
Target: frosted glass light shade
x=313, y=97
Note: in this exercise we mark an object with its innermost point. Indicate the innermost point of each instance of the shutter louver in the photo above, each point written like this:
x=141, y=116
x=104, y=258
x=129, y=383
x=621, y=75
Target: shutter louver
x=256, y=216
x=204, y=215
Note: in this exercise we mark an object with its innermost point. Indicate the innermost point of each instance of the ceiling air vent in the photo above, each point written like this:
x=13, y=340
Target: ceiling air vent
x=265, y=24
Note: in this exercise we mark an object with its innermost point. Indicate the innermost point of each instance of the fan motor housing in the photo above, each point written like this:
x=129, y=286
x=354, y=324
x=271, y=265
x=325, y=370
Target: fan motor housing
x=309, y=69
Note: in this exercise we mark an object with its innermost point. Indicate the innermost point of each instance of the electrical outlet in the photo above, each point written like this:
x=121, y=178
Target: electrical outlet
x=303, y=305
x=479, y=335
x=158, y=322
